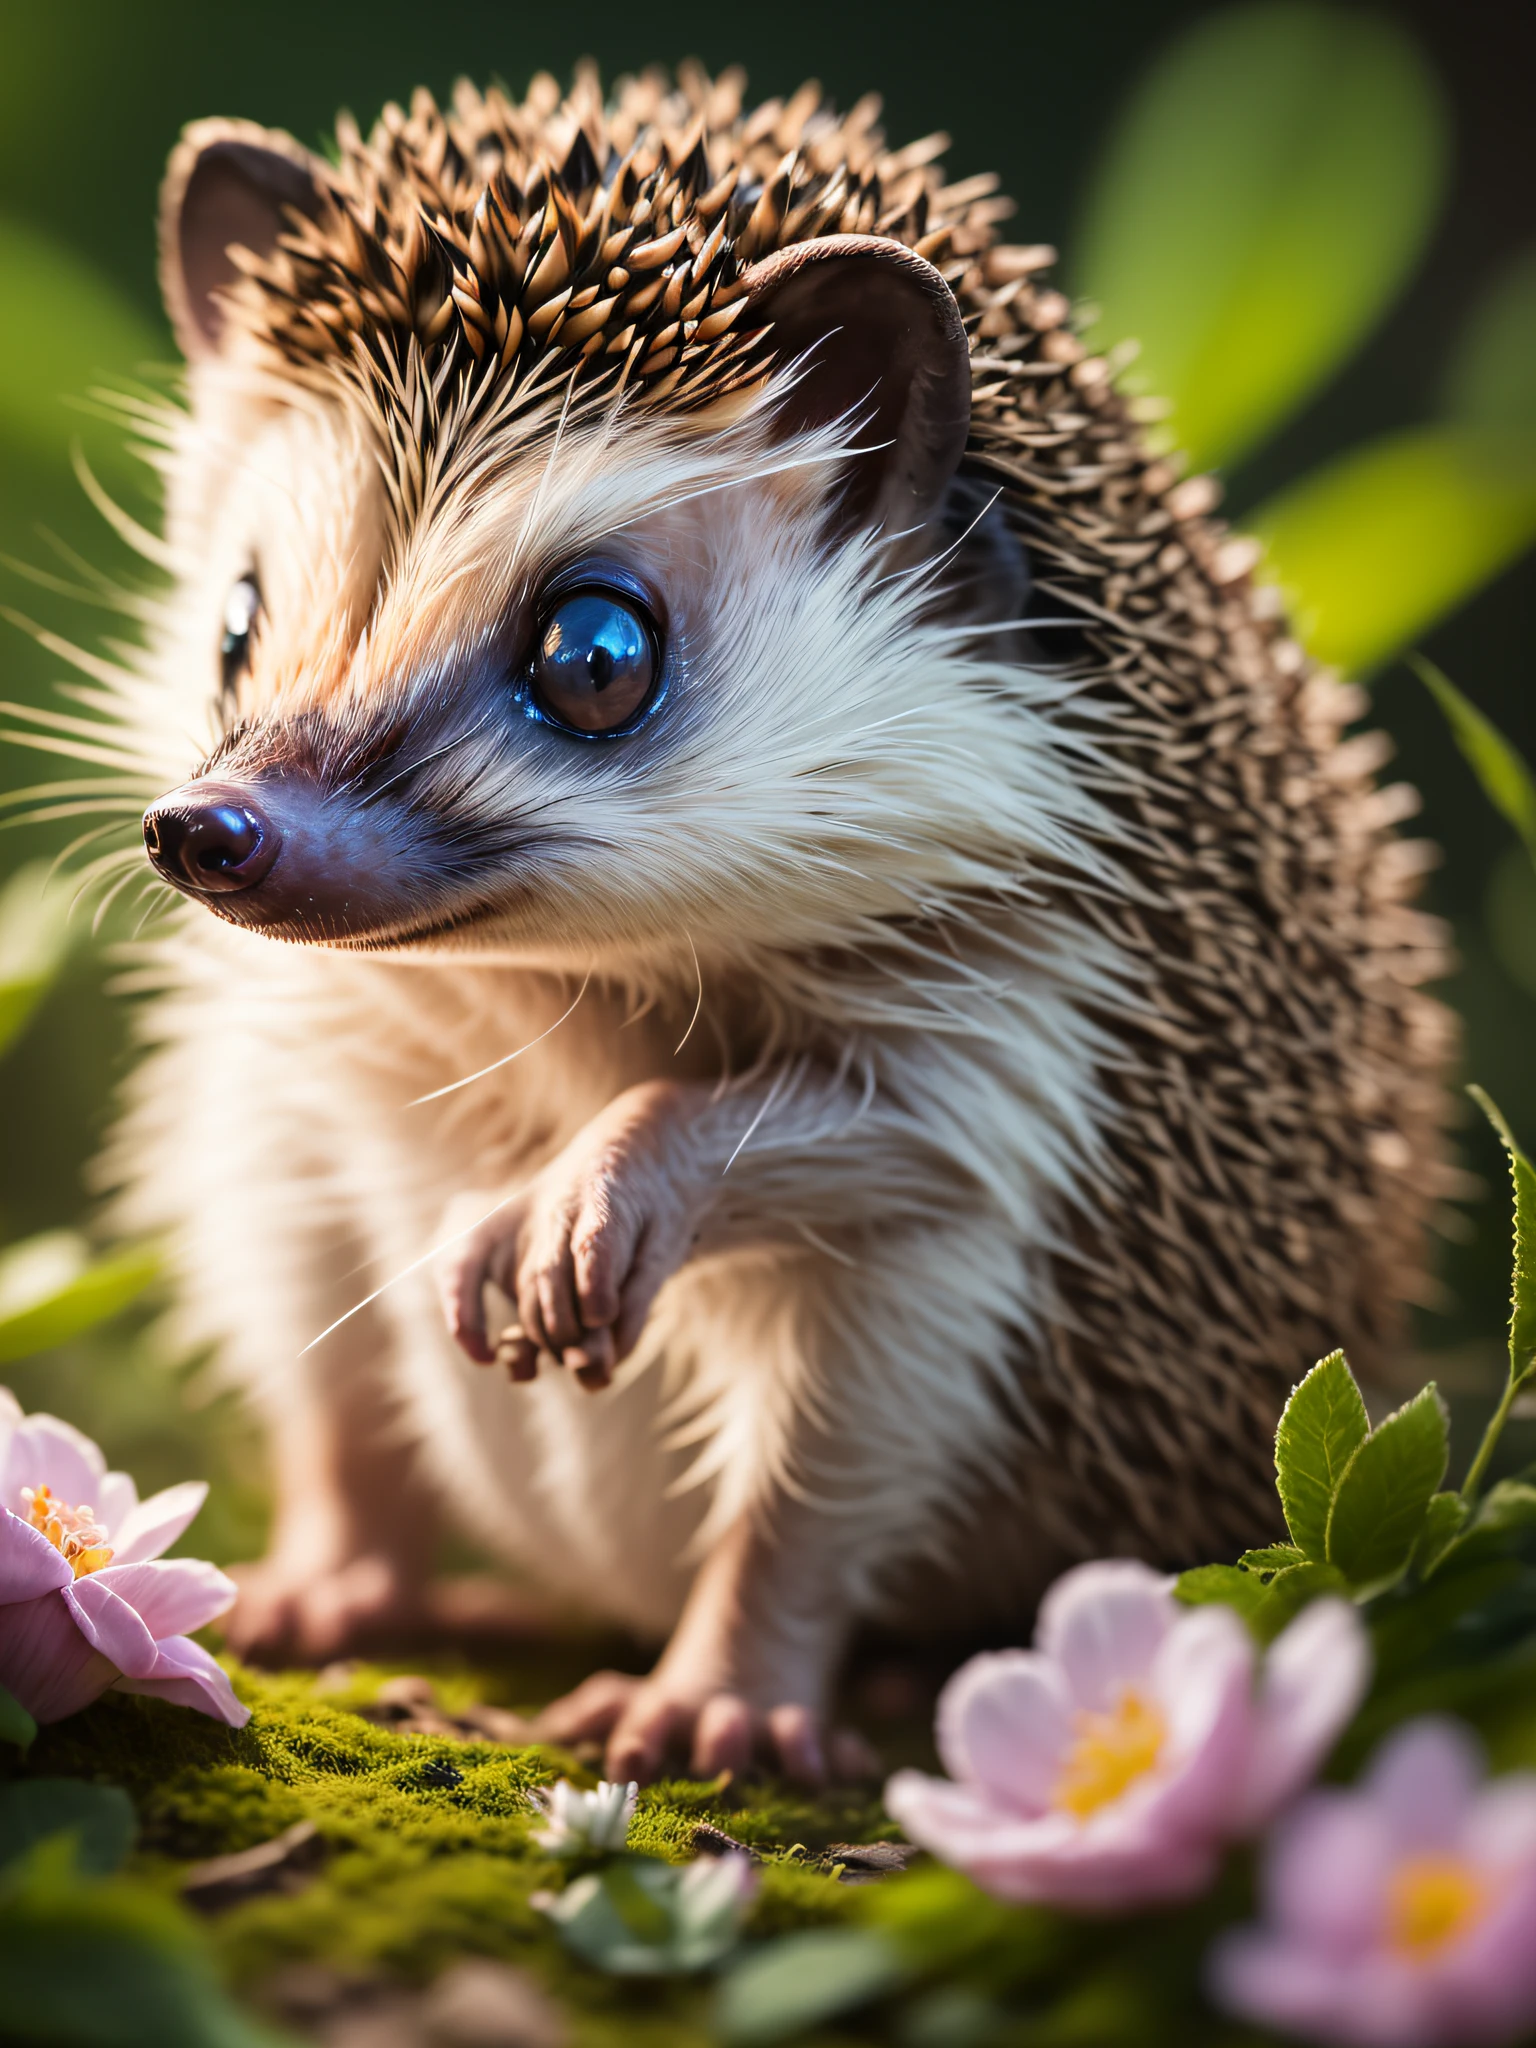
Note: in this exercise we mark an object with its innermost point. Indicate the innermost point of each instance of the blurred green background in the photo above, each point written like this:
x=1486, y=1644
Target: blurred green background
x=1318, y=221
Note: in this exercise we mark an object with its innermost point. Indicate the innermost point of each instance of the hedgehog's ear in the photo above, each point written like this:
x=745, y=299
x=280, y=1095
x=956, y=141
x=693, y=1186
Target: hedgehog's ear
x=877, y=339
x=228, y=182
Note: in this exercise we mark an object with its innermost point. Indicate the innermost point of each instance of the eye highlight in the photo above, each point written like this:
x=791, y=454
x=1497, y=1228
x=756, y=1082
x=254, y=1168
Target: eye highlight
x=242, y=608
x=596, y=663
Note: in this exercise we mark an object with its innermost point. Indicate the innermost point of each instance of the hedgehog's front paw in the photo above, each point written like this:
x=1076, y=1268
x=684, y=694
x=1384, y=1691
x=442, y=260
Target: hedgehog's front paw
x=645, y=1722
x=290, y=1612
x=584, y=1249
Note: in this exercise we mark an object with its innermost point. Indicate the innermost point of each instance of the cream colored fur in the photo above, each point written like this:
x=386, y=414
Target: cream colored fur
x=825, y=878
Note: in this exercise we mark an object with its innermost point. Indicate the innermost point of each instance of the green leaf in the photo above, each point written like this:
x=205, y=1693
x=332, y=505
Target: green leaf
x=781, y=1991
x=1379, y=1509
x=1500, y=767
x=16, y=1724
x=1522, y=1282
x=50, y=1290
x=1224, y=1585
x=1323, y=1425
x=1291, y=1590
x=639, y=1917
x=1442, y=1525
x=1265, y=194
x=34, y=939
x=643, y=1915
x=1508, y=1510
x=951, y=2016
x=1504, y=1520
x=1491, y=381
x=1273, y=1557
x=1373, y=548
x=941, y=1923
x=99, y=1818
x=107, y=1964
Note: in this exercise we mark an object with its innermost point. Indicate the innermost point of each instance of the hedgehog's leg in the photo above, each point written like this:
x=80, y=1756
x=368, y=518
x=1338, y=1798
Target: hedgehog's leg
x=355, y=1521
x=748, y=1670
x=352, y=1541
x=847, y=1381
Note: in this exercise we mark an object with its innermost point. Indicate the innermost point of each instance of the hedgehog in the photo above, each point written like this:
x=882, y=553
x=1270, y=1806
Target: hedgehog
x=847, y=1017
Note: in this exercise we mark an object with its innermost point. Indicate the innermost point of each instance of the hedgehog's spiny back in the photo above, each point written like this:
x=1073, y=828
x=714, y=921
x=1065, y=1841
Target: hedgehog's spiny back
x=1281, y=1107
x=610, y=239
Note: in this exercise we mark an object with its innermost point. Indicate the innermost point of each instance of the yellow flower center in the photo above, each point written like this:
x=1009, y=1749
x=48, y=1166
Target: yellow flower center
x=75, y=1532
x=1430, y=1901
x=1110, y=1753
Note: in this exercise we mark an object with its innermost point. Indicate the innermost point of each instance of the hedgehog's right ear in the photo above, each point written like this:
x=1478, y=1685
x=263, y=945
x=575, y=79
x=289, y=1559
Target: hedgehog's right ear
x=875, y=338
x=228, y=182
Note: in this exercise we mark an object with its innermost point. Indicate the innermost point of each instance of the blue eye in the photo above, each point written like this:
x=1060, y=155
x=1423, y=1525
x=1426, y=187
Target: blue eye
x=242, y=608
x=596, y=663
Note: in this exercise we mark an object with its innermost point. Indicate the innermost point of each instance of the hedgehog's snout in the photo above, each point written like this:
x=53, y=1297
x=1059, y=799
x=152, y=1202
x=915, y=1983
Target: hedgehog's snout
x=209, y=839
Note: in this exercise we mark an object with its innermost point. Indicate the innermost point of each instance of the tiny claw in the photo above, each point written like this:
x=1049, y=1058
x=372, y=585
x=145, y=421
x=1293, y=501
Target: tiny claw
x=514, y=1351
x=592, y=1373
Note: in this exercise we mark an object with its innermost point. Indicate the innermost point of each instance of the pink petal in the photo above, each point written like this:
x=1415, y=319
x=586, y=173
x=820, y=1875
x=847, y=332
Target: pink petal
x=186, y=1674
x=111, y=1625
x=153, y=1525
x=29, y=1564
x=1311, y=1682
x=1423, y=1780
x=10, y=1416
x=1097, y=1880
x=1490, y=1977
x=954, y=1821
x=171, y=1596
x=1501, y=1829
x=1004, y=1721
x=47, y=1452
x=46, y=1662
x=1202, y=1681
x=1052, y=1860
x=1278, y=1982
x=116, y=1501
x=1326, y=1872
x=1103, y=1623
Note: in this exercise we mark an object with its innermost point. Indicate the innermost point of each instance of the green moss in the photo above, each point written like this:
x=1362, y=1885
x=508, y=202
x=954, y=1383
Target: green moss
x=428, y=1850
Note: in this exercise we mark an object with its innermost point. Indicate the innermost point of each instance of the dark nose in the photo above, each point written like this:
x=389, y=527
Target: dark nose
x=210, y=839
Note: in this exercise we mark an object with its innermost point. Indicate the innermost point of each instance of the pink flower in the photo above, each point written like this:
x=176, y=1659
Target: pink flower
x=1400, y=1913
x=1107, y=1767
x=86, y=1600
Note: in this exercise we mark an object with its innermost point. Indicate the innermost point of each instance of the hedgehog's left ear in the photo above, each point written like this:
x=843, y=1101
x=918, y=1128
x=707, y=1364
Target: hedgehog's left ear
x=877, y=339
x=227, y=183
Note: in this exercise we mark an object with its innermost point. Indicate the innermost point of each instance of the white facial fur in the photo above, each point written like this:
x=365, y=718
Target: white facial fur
x=827, y=754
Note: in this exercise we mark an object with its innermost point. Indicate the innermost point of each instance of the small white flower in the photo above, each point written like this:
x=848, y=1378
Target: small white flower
x=579, y=1822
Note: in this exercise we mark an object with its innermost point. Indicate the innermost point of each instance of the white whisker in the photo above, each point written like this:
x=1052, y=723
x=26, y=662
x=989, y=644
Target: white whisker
x=438, y=1093
x=698, y=1006
x=406, y=1271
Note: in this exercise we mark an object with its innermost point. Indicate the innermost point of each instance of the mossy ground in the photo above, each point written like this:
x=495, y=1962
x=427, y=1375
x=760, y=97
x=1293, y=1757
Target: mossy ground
x=421, y=1864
